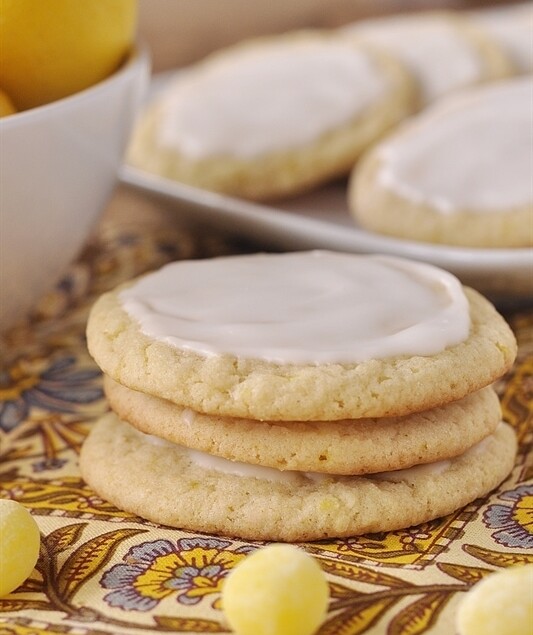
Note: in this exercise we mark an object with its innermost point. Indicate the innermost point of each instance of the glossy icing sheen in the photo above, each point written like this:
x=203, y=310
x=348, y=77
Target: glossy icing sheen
x=437, y=54
x=268, y=98
x=472, y=151
x=304, y=307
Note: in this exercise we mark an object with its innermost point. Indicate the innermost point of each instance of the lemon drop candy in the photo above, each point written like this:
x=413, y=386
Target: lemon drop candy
x=19, y=545
x=501, y=604
x=277, y=590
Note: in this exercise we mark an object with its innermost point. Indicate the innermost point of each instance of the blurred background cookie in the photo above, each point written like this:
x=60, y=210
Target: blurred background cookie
x=273, y=117
x=458, y=174
x=443, y=52
x=512, y=27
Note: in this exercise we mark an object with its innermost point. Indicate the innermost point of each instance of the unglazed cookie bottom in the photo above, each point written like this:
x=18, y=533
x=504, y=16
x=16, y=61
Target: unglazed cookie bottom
x=335, y=447
x=165, y=485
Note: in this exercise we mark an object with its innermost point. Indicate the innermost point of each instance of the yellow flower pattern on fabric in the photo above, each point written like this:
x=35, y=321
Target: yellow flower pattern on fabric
x=414, y=547
x=514, y=522
x=191, y=568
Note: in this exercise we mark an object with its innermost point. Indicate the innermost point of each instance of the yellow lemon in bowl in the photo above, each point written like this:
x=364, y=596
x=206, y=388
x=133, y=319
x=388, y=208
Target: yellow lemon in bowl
x=6, y=105
x=55, y=48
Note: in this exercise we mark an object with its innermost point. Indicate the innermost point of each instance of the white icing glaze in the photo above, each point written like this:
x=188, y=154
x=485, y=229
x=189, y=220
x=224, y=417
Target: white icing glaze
x=434, y=469
x=152, y=439
x=411, y=474
x=436, y=52
x=188, y=416
x=247, y=470
x=481, y=447
x=269, y=98
x=471, y=151
x=303, y=307
x=512, y=28
x=237, y=468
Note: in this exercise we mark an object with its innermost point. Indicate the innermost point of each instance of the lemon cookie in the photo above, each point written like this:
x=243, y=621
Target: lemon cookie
x=459, y=173
x=169, y=484
x=512, y=27
x=272, y=117
x=443, y=52
x=300, y=336
x=355, y=446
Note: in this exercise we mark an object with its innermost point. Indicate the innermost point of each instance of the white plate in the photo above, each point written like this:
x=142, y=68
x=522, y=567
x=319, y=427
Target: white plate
x=321, y=220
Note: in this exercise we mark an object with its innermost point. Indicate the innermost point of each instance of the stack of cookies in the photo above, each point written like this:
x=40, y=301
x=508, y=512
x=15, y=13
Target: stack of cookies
x=298, y=396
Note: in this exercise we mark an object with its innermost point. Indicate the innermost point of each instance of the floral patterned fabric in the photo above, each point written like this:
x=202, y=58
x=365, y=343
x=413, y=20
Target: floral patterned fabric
x=103, y=571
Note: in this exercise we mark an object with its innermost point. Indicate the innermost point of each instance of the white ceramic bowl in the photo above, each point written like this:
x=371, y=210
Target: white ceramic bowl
x=58, y=165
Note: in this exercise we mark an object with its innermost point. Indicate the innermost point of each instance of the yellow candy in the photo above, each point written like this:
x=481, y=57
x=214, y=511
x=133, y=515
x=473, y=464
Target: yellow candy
x=277, y=590
x=19, y=545
x=501, y=604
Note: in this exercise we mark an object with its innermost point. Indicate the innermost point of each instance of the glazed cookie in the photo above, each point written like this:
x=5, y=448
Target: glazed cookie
x=356, y=446
x=458, y=174
x=443, y=52
x=174, y=486
x=512, y=27
x=272, y=117
x=310, y=336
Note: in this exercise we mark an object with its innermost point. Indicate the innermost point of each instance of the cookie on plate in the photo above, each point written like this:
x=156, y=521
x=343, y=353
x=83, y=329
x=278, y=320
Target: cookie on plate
x=457, y=174
x=356, y=446
x=272, y=117
x=171, y=485
x=443, y=52
x=512, y=27
x=305, y=336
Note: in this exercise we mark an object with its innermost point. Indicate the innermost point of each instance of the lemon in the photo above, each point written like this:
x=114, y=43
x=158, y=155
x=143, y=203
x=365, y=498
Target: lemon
x=6, y=105
x=54, y=48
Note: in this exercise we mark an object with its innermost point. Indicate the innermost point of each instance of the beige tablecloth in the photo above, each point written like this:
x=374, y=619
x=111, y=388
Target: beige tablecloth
x=103, y=571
